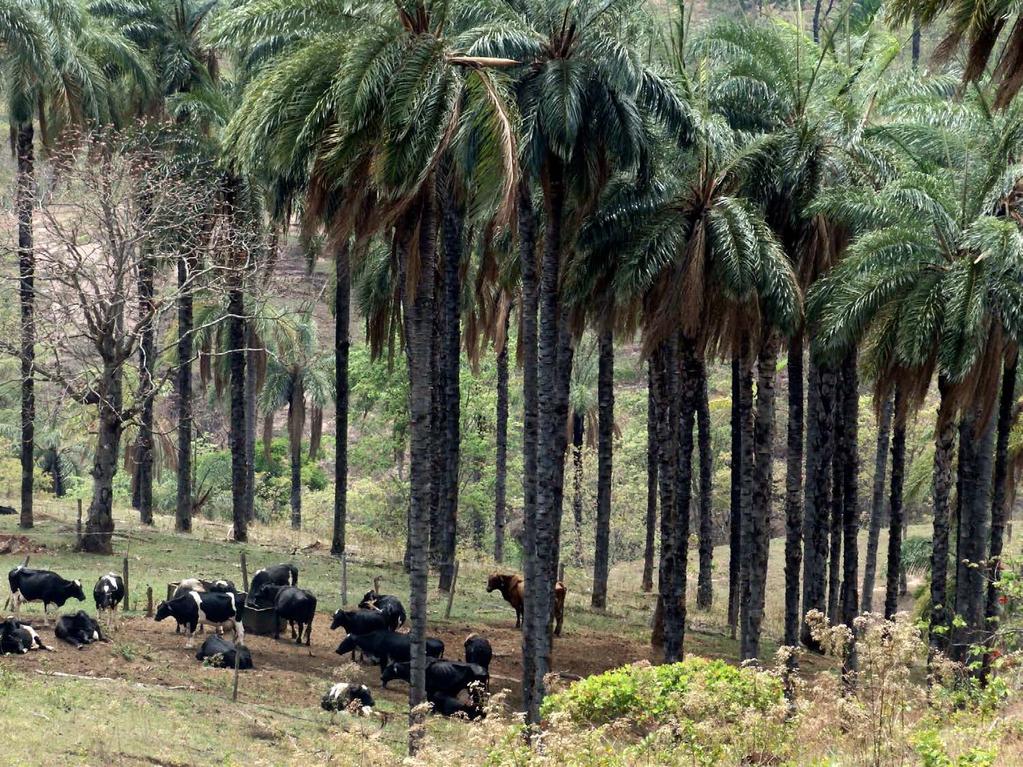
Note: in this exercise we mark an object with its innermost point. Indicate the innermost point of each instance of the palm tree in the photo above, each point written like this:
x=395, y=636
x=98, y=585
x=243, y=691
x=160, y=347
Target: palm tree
x=605, y=448
x=884, y=433
x=582, y=407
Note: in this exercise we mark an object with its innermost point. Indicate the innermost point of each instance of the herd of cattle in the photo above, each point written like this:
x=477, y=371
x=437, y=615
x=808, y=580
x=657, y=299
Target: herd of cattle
x=371, y=629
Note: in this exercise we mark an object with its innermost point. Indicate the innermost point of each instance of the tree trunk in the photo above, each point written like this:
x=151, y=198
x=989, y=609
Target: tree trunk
x=315, y=431
x=817, y=502
x=817, y=21
x=664, y=367
x=438, y=428
x=944, y=447
x=850, y=404
x=747, y=458
x=296, y=428
x=892, y=590
x=705, y=584
x=577, y=488
x=884, y=433
x=794, y=489
x=236, y=366
x=916, y=42
x=999, y=491
x=268, y=438
x=147, y=359
x=758, y=538
x=251, y=392
x=501, y=460
x=605, y=458
x=99, y=524
x=418, y=305
x=342, y=344
x=837, y=495
x=735, y=501
x=183, y=381
x=651, y=482
x=25, y=196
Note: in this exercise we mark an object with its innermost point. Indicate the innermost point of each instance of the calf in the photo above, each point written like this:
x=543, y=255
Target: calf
x=220, y=653
x=198, y=609
x=513, y=589
x=78, y=629
x=276, y=575
x=294, y=605
x=389, y=606
x=478, y=651
x=443, y=677
x=19, y=638
x=108, y=593
x=386, y=646
x=360, y=621
x=41, y=586
x=447, y=705
x=354, y=698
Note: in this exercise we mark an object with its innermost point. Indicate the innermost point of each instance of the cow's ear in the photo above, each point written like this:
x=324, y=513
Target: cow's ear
x=78, y=583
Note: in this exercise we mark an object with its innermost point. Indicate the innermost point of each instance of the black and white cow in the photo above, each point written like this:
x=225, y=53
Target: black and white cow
x=294, y=605
x=108, y=593
x=18, y=638
x=360, y=621
x=44, y=586
x=443, y=677
x=78, y=629
x=220, y=653
x=354, y=698
x=448, y=705
x=219, y=586
x=478, y=651
x=276, y=575
x=384, y=647
x=201, y=609
x=389, y=606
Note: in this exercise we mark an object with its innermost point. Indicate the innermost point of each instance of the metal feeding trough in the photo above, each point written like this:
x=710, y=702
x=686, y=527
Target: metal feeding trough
x=259, y=619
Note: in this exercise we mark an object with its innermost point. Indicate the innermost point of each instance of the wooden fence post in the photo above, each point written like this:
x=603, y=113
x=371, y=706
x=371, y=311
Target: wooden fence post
x=245, y=575
x=149, y=601
x=237, y=652
x=344, y=578
x=127, y=590
x=451, y=594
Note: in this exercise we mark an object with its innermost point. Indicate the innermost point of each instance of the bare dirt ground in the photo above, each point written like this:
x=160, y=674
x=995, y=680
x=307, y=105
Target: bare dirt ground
x=286, y=674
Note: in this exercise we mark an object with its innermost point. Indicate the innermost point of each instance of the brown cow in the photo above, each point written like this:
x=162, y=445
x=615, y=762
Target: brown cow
x=512, y=588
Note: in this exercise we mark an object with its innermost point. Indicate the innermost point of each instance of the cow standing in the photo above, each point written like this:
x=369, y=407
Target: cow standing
x=44, y=586
x=108, y=594
x=513, y=589
x=294, y=605
x=384, y=647
x=202, y=609
x=275, y=575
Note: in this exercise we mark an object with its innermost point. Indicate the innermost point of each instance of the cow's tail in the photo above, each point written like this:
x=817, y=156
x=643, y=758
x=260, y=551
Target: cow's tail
x=294, y=575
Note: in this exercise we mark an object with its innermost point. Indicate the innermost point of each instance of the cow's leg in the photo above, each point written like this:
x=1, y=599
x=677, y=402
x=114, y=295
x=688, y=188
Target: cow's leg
x=557, y=624
x=277, y=628
x=239, y=633
x=518, y=617
x=308, y=632
x=46, y=614
x=16, y=604
x=291, y=625
x=189, y=632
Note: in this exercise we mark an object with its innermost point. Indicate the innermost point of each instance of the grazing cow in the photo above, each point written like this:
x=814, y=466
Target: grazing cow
x=478, y=651
x=108, y=593
x=443, y=677
x=390, y=606
x=294, y=605
x=513, y=589
x=360, y=621
x=448, y=705
x=41, y=586
x=196, y=609
x=275, y=575
x=220, y=653
x=384, y=647
x=19, y=638
x=78, y=629
x=353, y=698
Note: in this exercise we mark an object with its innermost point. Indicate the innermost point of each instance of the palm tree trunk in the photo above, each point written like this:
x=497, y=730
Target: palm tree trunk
x=251, y=392
x=25, y=195
x=438, y=427
x=794, y=489
x=236, y=366
x=183, y=381
x=892, y=590
x=99, y=525
x=577, y=488
x=418, y=304
x=605, y=458
x=837, y=490
x=747, y=457
x=315, y=431
x=296, y=427
x=820, y=429
x=850, y=405
x=342, y=344
x=735, y=503
x=651, y=482
x=147, y=358
x=501, y=459
x=999, y=492
x=665, y=386
x=268, y=438
x=944, y=448
x=759, y=534
x=916, y=41
x=705, y=585
x=884, y=433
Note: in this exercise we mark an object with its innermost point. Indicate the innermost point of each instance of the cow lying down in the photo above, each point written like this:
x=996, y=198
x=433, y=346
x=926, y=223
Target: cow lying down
x=78, y=629
x=354, y=699
x=220, y=653
x=18, y=638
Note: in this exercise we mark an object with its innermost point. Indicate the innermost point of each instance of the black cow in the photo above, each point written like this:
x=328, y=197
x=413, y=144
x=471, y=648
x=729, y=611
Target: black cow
x=344, y=696
x=220, y=653
x=275, y=575
x=478, y=651
x=44, y=586
x=443, y=677
x=360, y=621
x=78, y=629
x=7, y=510
x=19, y=638
x=386, y=646
x=108, y=593
x=195, y=609
x=294, y=605
x=448, y=705
x=390, y=606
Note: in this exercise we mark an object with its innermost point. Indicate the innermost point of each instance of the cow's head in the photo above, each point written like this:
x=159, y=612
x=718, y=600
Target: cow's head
x=497, y=581
x=340, y=620
x=163, y=610
x=391, y=672
x=347, y=645
x=74, y=589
